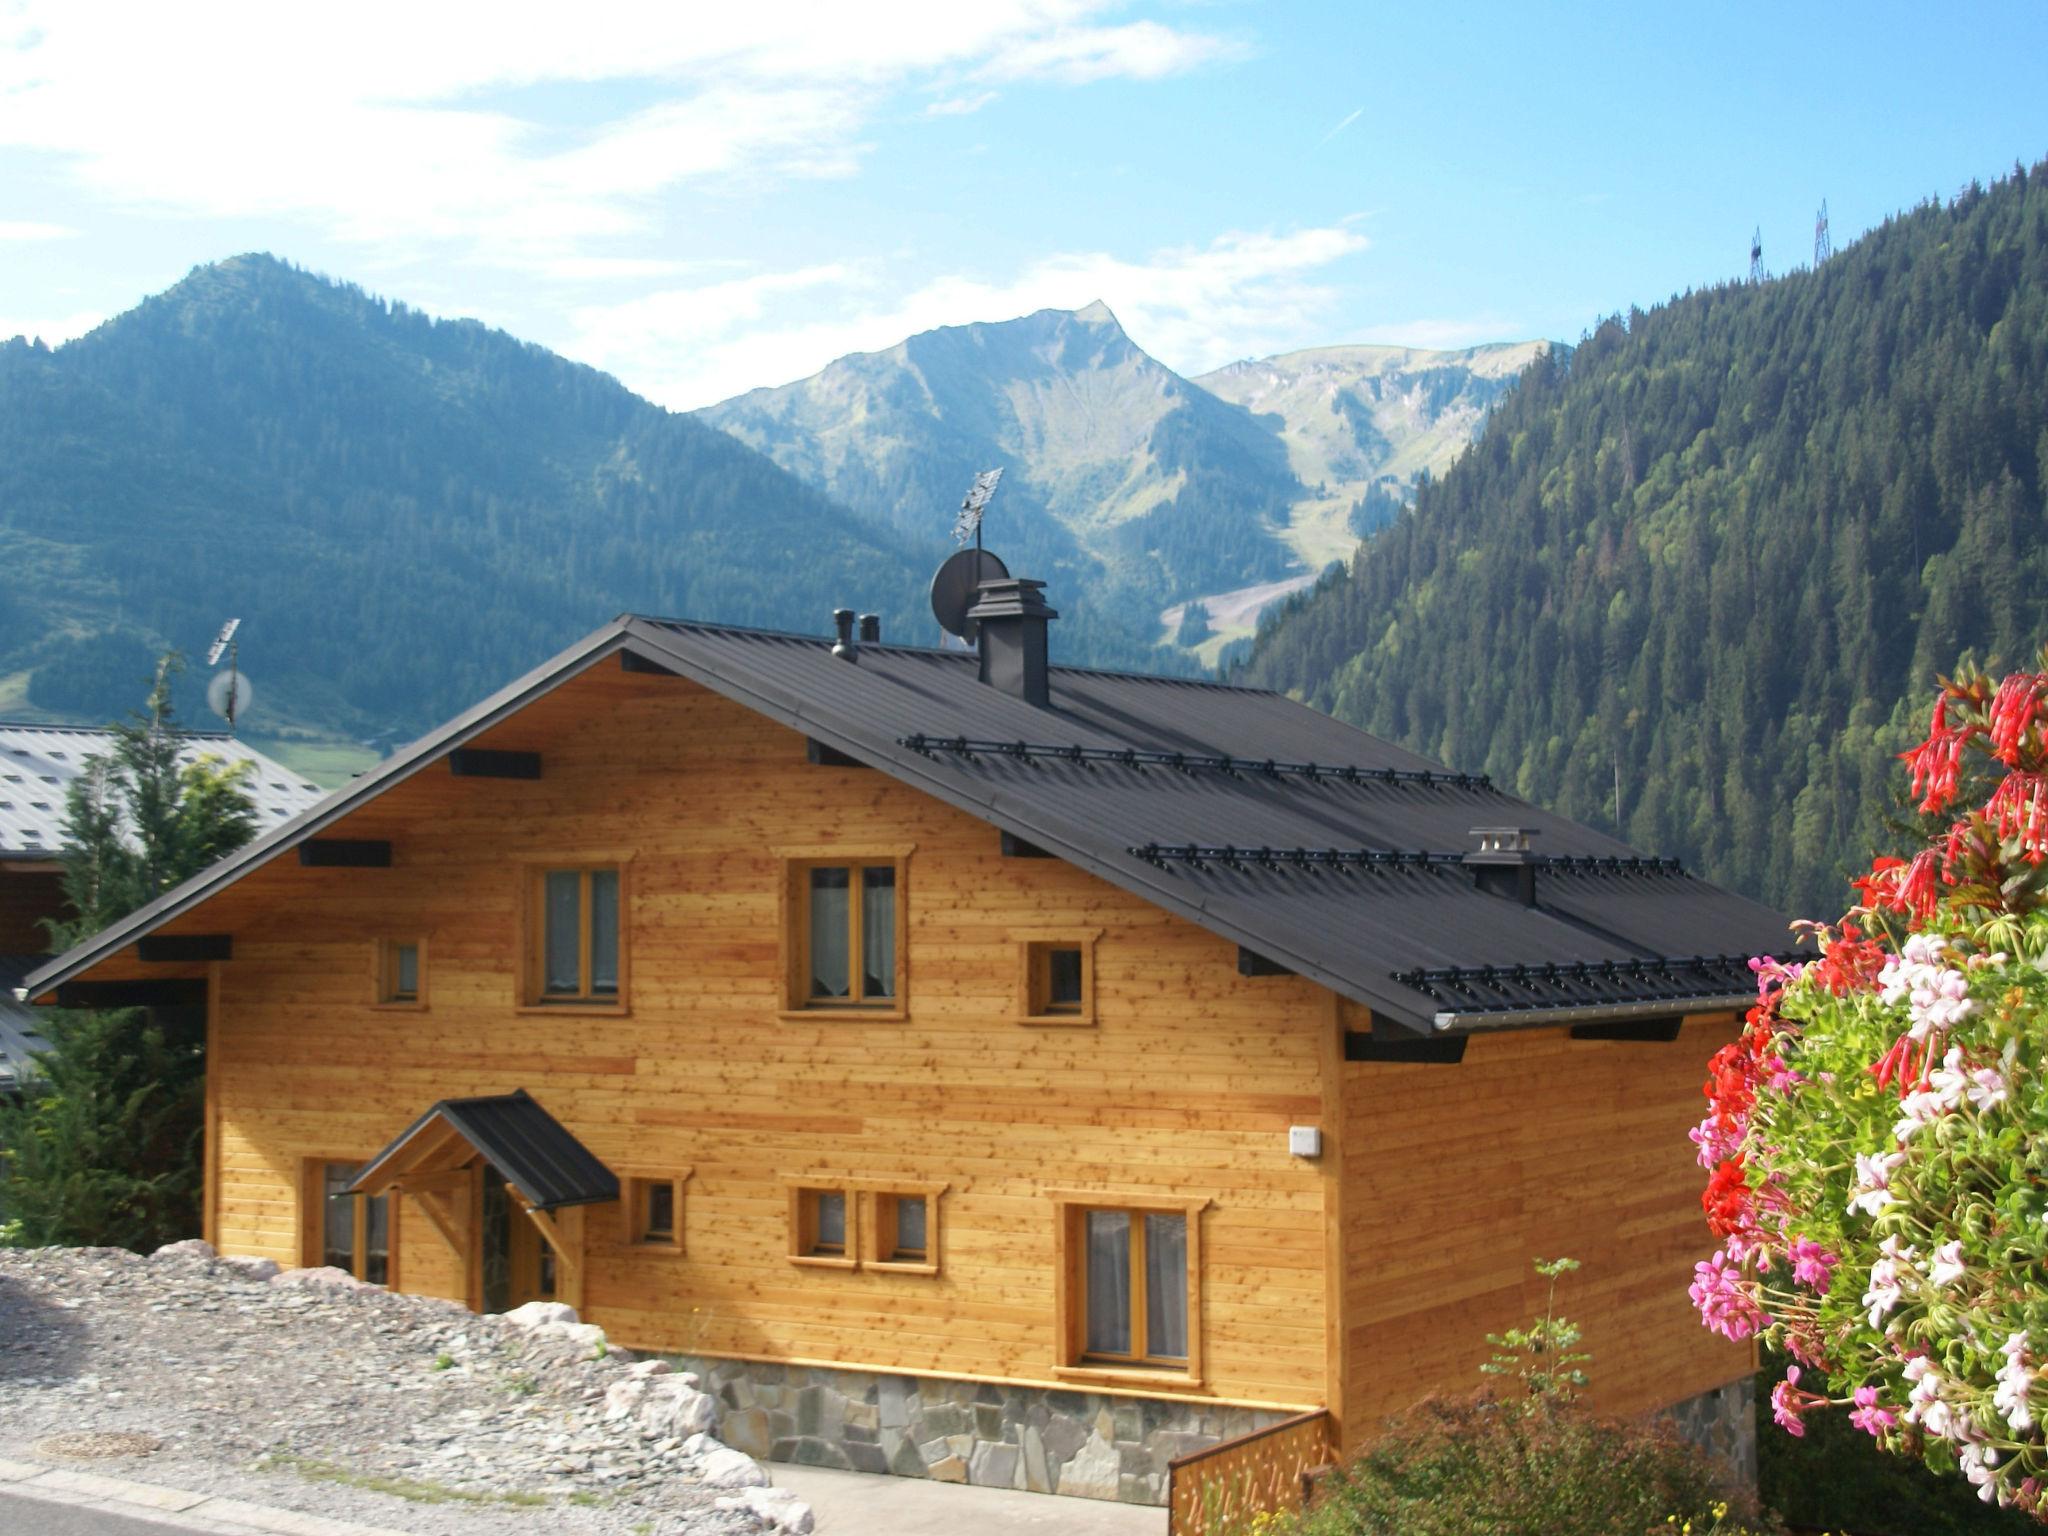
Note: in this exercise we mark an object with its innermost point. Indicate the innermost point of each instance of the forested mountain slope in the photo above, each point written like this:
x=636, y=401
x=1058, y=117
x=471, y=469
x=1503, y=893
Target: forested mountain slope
x=1718, y=551
x=405, y=512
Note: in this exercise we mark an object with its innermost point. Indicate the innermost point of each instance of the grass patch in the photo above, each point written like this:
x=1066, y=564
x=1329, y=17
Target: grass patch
x=415, y=1489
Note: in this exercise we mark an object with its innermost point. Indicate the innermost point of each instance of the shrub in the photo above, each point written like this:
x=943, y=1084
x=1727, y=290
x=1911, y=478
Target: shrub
x=1878, y=1137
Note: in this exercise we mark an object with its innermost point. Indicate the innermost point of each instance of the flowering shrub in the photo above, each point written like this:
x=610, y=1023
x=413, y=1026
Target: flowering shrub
x=1877, y=1139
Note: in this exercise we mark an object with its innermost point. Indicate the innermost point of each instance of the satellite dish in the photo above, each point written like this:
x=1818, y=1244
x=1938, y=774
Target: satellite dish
x=229, y=695
x=955, y=586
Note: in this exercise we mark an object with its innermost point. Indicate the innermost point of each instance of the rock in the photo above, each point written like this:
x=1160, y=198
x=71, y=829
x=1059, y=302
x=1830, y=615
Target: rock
x=728, y=1468
x=993, y=1465
x=326, y=1276
x=778, y=1506
x=537, y=1313
x=583, y=1335
x=951, y=1469
x=253, y=1268
x=1094, y=1473
x=189, y=1248
x=663, y=1405
x=645, y=1368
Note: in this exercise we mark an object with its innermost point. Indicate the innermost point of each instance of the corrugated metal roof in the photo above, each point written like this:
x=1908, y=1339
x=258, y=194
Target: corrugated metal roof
x=37, y=762
x=530, y=1147
x=21, y=1031
x=1363, y=930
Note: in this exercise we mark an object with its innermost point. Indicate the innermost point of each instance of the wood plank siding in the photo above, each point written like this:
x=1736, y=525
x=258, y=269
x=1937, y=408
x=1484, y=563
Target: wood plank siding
x=1184, y=1087
x=1535, y=1146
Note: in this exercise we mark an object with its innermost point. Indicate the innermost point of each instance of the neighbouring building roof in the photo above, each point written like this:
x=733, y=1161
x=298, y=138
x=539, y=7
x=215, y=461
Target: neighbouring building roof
x=38, y=761
x=530, y=1147
x=21, y=1036
x=1319, y=848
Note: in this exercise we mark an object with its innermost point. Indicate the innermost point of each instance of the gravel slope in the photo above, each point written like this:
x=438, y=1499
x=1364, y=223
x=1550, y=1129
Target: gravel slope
x=313, y=1393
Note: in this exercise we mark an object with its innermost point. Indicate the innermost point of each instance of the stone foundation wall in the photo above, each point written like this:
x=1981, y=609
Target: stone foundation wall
x=1083, y=1443
x=1723, y=1423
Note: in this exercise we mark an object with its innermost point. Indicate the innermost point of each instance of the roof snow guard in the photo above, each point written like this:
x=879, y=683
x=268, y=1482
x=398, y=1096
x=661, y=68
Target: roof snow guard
x=1585, y=992
x=530, y=1147
x=1272, y=826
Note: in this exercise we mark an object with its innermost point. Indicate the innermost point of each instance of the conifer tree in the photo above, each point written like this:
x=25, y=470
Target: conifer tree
x=104, y=1145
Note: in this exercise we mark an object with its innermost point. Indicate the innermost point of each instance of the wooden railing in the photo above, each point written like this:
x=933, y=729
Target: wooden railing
x=1216, y=1492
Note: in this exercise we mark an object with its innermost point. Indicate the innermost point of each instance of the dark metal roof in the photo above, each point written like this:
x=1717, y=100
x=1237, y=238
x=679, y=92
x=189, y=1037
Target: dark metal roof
x=529, y=1146
x=1260, y=772
x=21, y=1029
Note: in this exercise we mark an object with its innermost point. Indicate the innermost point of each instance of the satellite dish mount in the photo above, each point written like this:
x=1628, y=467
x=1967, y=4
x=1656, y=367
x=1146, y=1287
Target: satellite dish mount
x=233, y=698
x=958, y=580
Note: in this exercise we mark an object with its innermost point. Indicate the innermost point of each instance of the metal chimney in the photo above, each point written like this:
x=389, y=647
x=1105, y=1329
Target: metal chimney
x=1012, y=617
x=846, y=648
x=871, y=629
x=1504, y=865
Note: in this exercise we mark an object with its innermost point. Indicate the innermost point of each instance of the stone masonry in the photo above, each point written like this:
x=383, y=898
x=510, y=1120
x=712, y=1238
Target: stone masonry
x=1089, y=1444
x=1723, y=1423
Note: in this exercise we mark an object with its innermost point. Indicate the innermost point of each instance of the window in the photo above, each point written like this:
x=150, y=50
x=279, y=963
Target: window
x=903, y=1229
x=822, y=1221
x=1130, y=1287
x=350, y=1232
x=1056, y=979
x=577, y=945
x=653, y=1210
x=401, y=973
x=845, y=934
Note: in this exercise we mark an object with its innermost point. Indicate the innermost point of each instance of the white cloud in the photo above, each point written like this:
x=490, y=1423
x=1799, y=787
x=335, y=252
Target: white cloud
x=960, y=106
x=1349, y=119
x=400, y=124
x=23, y=230
x=53, y=329
x=1195, y=308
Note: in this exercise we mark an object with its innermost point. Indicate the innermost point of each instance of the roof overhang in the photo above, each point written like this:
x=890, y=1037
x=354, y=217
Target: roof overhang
x=535, y=1152
x=1476, y=1021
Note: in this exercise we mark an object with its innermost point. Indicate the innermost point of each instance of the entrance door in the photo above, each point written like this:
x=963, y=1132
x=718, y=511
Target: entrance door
x=518, y=1265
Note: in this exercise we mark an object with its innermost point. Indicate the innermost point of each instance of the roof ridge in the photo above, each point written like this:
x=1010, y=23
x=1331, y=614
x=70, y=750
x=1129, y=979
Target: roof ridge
x=712, y=626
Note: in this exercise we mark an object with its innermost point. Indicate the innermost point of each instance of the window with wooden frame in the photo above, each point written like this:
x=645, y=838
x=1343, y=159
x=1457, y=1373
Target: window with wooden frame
x=353, y=1233
x=651, y=1206
x=846, y=916
x=401, y=973
x=901, y=1228
x=576, y=940
x=824, y=1226
x=1056, y=978
x=1129, y=1287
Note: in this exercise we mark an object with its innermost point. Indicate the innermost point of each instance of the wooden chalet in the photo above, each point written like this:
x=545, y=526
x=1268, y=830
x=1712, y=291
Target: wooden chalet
x=982, y=1069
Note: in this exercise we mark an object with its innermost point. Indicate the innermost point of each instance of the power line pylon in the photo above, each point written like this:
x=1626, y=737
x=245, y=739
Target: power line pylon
x=1756, y=255
x=1823, y=242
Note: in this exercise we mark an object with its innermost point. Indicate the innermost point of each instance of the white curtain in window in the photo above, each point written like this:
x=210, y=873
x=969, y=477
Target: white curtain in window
x=604, y=931
x=1109, y=1283
x=830, y=933
x=878, y=932
x=1166, y=1286
x=562, y=922
x=831, y=1221
x=910, y=1226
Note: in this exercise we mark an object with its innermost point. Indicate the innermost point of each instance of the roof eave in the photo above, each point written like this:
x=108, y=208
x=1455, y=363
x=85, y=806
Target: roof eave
x=587, y=652
x=1469, y=1021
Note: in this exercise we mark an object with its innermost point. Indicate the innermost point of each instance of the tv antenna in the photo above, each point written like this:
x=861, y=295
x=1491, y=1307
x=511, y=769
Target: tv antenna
x=1823, y=242
x=959, y=578
x=227, y=694
x=1756, y=255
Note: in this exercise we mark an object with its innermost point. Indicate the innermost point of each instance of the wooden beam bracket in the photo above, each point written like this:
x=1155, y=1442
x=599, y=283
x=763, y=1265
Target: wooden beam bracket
x=345, y=853
x=486, y=763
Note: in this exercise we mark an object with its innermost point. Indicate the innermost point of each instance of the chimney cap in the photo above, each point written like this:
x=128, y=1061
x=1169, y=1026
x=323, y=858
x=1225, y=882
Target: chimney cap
x=1502, y=845
x=1011, y=597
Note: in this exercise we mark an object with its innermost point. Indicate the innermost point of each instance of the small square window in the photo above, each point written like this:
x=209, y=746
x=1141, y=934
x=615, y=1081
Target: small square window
x=903, y=1230
x=401, y=973
x=1057, y=980
x=653, y=1209
x=823, y=1226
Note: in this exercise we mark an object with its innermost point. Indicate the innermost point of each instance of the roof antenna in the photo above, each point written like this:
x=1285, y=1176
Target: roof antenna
x=958, y=580
x=229, y=693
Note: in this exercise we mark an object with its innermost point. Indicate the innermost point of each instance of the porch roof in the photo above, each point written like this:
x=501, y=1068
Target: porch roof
x=535, y=1152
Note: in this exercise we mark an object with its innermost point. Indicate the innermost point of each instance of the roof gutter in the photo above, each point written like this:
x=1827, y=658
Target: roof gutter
x=1467, y=1020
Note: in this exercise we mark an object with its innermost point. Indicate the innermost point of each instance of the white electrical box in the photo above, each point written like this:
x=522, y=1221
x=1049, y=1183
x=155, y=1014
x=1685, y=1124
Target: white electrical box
x=1305, y=1140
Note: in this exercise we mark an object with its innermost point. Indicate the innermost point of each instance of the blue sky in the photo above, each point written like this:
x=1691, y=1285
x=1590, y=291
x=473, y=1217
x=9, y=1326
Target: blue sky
x=701, y=202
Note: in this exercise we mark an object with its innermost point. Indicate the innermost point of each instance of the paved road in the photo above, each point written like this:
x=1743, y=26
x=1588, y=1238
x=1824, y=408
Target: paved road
x=21, y=1516
x=856, y=1504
